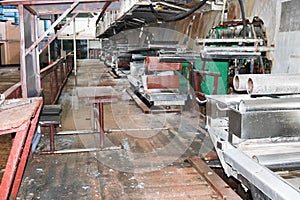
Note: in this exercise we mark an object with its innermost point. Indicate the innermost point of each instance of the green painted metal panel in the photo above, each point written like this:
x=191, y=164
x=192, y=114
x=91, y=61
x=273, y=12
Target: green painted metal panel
x=219, y=67
x=184, y=79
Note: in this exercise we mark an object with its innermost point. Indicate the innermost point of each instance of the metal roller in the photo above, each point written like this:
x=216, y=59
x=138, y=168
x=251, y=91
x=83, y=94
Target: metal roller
x=274, y=84
x=269, y=104
x=240, y=81
x=279, y=161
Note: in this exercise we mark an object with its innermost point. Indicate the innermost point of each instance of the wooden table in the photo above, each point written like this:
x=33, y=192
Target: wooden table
x=98, y=96
x=22, y=121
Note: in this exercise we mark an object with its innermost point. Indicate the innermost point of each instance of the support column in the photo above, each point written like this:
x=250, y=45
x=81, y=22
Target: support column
x=22, y=52
x=32, y=58
x=74, y=44
x=37, y=57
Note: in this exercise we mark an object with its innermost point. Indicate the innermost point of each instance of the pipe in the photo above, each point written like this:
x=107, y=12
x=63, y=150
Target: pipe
x=74, y=47
x=273, y=84
x=279, y=161
x=240, y=81
x=269, y=104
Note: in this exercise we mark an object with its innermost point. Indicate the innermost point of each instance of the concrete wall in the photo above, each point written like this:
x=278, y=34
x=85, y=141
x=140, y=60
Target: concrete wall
x=286, y=56
x=287, y=42
x=84, y=28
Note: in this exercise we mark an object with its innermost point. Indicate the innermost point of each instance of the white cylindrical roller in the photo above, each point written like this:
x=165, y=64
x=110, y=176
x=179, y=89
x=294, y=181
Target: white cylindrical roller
x=269, y=104
x=240, y=81
x=273, y=84
x=279, y=161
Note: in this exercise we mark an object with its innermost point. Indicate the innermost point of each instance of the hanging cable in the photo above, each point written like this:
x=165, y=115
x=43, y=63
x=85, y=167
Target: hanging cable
x=243, y=18
x=180, y=16
x=186, y=14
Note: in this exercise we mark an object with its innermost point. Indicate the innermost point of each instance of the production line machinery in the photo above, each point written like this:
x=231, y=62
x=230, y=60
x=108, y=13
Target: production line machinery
x=156, y=82
x=257, y=135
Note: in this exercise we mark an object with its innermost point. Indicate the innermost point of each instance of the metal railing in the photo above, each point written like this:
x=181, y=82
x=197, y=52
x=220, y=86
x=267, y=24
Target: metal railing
x=54, y=77
x=14, y=91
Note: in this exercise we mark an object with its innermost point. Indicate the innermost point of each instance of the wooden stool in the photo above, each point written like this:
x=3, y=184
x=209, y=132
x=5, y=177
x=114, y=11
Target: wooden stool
x=50, y=117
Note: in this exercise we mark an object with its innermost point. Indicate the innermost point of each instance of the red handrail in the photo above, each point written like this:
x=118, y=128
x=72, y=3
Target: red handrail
x=14, y=91
x=54, y=77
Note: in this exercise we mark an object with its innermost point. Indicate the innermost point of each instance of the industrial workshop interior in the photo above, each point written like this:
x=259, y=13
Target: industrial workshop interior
x=144, y=99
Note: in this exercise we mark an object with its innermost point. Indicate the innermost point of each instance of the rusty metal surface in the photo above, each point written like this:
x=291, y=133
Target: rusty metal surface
x=173, y=182
x=53, y=78
x=5, y=147
x=152, y=64
x=163, y=82
x=213, y=179
x=13, y=118
x=20, y=147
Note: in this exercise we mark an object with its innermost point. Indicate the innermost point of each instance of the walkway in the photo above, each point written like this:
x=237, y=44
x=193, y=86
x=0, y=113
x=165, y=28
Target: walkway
x=151, y=164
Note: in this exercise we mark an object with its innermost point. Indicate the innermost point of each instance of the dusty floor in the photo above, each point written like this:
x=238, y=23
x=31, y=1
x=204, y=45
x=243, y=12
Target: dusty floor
x=8, y=77
x=150, y=165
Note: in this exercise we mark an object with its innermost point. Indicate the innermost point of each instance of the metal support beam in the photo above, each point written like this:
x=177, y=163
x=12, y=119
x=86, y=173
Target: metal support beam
x=74, y=46
x=35, y=43
x=37, y=57
x=33, y=12
x=58, y=32
x=264, y=179
x=44, y=2
x=22, y=52
x=107, y=4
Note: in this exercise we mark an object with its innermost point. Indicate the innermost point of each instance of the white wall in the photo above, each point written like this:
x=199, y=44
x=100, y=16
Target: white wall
x=94, y=44
x=85, y=28
x=286, y=56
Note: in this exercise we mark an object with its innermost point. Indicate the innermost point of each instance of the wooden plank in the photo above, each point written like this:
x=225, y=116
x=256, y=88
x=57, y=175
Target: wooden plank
x=213, y=179
x=15, y=117
x=159, y=82
x=139, y=102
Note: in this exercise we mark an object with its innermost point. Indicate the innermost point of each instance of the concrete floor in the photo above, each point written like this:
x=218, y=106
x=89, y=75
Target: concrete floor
x=8, y=77
x=150, y=165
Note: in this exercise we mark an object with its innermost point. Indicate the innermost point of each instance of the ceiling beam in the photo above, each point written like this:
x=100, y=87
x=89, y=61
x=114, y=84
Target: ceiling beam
x=69, y=10
x=31, y=10
x=103, y=11
x=43, y=2
x=58, y=32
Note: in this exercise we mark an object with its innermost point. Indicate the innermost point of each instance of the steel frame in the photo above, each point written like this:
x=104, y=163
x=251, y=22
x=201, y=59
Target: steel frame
x=16, y=163
x=234, y=152
x=271, y=184
x=33, y=6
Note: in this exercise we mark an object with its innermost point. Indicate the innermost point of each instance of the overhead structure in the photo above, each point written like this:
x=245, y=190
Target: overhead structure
x=30, y=40
x=139, y=13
